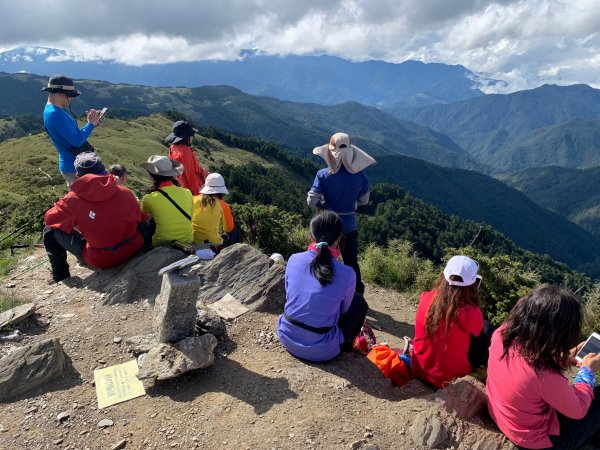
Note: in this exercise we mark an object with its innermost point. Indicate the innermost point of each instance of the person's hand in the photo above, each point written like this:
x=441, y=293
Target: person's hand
x=592, y=360
x=93, y=116
x=572, y=360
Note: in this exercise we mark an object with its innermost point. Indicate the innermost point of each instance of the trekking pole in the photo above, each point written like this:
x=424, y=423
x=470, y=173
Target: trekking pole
x=35, y=266
x=479, y=237
x=22, y=228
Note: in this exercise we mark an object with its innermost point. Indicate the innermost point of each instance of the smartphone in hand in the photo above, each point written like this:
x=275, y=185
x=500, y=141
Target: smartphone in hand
x=592, y=345
x=103, y=112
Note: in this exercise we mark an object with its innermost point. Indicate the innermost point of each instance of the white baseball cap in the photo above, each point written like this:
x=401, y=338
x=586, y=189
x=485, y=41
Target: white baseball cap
x=461, y=266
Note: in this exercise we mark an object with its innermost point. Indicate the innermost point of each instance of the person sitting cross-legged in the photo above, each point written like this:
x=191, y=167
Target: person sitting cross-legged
x=99, y=221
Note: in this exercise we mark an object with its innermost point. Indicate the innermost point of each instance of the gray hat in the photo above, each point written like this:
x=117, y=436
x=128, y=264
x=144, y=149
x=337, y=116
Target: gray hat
x=163, y=166
x=61, y=84
x=89, y=162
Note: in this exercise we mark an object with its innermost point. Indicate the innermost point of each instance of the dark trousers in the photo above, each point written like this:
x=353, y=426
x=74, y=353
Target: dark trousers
x=479, y=347
x=574, y=433
x=349, y=250
x=352, y=320
x=57, y=244
x=233, y=237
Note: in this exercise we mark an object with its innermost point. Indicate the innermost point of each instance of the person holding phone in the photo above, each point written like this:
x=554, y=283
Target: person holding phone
x=529, y=397
x=451, y=336
x=62, y=128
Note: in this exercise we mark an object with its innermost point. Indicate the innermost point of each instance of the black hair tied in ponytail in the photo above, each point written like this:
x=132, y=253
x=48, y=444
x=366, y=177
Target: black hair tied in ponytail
x=325, y=228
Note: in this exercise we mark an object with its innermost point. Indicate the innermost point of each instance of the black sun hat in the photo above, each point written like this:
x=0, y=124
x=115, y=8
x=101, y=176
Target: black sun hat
x=61, y=84
x=181, y=130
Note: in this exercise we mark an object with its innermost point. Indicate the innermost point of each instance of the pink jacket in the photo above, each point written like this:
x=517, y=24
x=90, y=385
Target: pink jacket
x=523, y=402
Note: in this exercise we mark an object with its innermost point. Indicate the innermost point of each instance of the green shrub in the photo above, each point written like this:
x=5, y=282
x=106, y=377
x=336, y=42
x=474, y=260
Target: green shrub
x=591, y=311
x=504, y=282
x=398, y=267
x=270, y=228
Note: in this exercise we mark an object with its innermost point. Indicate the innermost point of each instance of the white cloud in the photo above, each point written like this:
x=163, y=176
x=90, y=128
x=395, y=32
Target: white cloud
x=525, y=42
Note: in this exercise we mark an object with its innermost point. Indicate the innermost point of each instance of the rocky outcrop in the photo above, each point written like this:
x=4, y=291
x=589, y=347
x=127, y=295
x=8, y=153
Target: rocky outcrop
x=15, y=315
x=136, y=279
x=29, y=367
x=167, y=361
x=244, y=272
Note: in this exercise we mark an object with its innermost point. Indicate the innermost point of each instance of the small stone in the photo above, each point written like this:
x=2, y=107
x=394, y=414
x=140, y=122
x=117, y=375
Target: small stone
x=2, y=429
x=117, y=339
x=82, y=432
x=104, y=423
x=119, y=445
x=31, y=410
x=153, y=415
x=10, y=285
x=62, y=416
x=368, y=434
x=101, y=361
x=57, y=441
x=358, y=444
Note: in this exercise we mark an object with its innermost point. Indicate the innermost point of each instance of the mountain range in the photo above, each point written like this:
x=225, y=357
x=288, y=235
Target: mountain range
x=298, y=126
x=549, y=125
x=307, y=79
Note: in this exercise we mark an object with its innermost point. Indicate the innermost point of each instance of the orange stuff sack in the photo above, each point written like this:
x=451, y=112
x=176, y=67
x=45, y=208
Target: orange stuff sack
x=390, y=364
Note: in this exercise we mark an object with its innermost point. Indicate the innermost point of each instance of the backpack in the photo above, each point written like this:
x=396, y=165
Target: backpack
x=390, y=364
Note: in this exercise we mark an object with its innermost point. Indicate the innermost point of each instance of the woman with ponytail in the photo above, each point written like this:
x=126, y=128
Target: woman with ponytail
x=323, y=313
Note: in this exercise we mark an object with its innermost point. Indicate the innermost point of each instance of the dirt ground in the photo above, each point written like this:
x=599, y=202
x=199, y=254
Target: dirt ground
x=255, y=396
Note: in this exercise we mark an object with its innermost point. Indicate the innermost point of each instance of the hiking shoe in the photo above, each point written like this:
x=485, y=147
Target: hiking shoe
x=365, y=340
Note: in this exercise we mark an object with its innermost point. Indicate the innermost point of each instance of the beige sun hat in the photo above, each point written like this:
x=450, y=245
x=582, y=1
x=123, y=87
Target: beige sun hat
x=214, y=184
x=341, y=151
x=163, y=166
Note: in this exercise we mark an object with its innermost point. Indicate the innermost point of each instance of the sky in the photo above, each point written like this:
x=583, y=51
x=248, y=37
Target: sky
x=525, y=43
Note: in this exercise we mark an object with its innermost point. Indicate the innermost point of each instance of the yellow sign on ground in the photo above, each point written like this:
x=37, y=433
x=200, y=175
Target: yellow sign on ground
x=117, y=384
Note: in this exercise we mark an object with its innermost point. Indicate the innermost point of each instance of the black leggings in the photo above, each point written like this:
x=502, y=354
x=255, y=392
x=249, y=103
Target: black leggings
x=479, y=347
x=352, y=320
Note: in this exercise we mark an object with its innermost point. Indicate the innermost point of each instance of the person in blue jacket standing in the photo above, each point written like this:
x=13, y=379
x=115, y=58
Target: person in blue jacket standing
x=62, y=127
x=341, y=187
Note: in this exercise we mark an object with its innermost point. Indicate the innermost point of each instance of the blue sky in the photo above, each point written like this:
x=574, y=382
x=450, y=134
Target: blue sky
x=526, y=42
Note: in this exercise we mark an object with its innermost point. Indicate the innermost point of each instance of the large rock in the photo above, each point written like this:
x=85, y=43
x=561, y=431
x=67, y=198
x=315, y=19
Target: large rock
x=244, y=272
x=16, y=315
x=464, y=398
x=29, y=367
x=175, y=308
x=172, y=360
x=136, y=279
x=428, y=431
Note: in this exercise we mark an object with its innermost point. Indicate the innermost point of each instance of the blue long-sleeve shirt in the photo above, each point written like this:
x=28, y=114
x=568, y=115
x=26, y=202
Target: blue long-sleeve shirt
x=65, y=134
x=340, y=192
x=314, y=305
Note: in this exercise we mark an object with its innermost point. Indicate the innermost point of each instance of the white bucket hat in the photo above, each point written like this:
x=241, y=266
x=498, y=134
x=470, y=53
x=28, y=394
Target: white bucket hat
x=464, y=267
x=341, y=151
x=163, y=166
x=214, y=184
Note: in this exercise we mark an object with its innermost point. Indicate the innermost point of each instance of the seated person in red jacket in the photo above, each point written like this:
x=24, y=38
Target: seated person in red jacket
x=99, y=221
x=181, y=150
x=451, y=337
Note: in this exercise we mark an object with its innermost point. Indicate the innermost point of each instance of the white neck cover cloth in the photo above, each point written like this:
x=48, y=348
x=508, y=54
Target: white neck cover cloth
x=353, y=158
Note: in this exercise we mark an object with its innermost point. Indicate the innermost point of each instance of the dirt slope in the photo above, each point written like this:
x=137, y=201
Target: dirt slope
x=256, y=396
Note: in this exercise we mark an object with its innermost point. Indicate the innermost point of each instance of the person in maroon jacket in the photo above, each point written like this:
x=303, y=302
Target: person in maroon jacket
x=99, y=221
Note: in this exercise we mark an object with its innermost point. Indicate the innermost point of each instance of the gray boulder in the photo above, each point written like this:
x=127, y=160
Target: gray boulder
x=464, y=398
x=29, y=367
x=16, y=315
x=136, y=279
x=428, y=431
x=244, y=272
x=167, y=361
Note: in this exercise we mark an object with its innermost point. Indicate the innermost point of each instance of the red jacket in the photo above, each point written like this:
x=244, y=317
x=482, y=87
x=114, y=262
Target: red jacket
x=193, y=175
x=106, y=215
x=446, y=357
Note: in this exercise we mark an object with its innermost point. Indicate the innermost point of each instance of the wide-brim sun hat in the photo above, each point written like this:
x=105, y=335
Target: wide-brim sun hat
x=163, y=166
x=340, y=150
x=181, y=130
x=214, y=184
x=61, y=84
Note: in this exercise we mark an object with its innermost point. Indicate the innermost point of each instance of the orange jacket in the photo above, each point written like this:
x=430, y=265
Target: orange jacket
x=194, y=174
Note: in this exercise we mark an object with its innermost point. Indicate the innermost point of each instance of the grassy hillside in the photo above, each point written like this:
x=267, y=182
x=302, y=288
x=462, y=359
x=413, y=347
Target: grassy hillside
x=572, y=193
x=297, y=126
x=485, y=126
x=481, y=198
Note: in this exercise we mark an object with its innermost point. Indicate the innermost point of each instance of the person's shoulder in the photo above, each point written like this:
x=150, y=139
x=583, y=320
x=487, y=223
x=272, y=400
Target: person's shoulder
x=323, y=172
x=342, y=269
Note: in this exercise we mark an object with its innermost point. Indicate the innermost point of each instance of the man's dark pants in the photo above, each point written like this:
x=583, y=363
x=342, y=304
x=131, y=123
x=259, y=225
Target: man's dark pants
x=349, y=250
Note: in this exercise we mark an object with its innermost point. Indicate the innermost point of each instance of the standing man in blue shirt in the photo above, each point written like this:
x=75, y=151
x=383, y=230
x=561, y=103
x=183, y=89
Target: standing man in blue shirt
x=340, y=188
x=62, y=127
